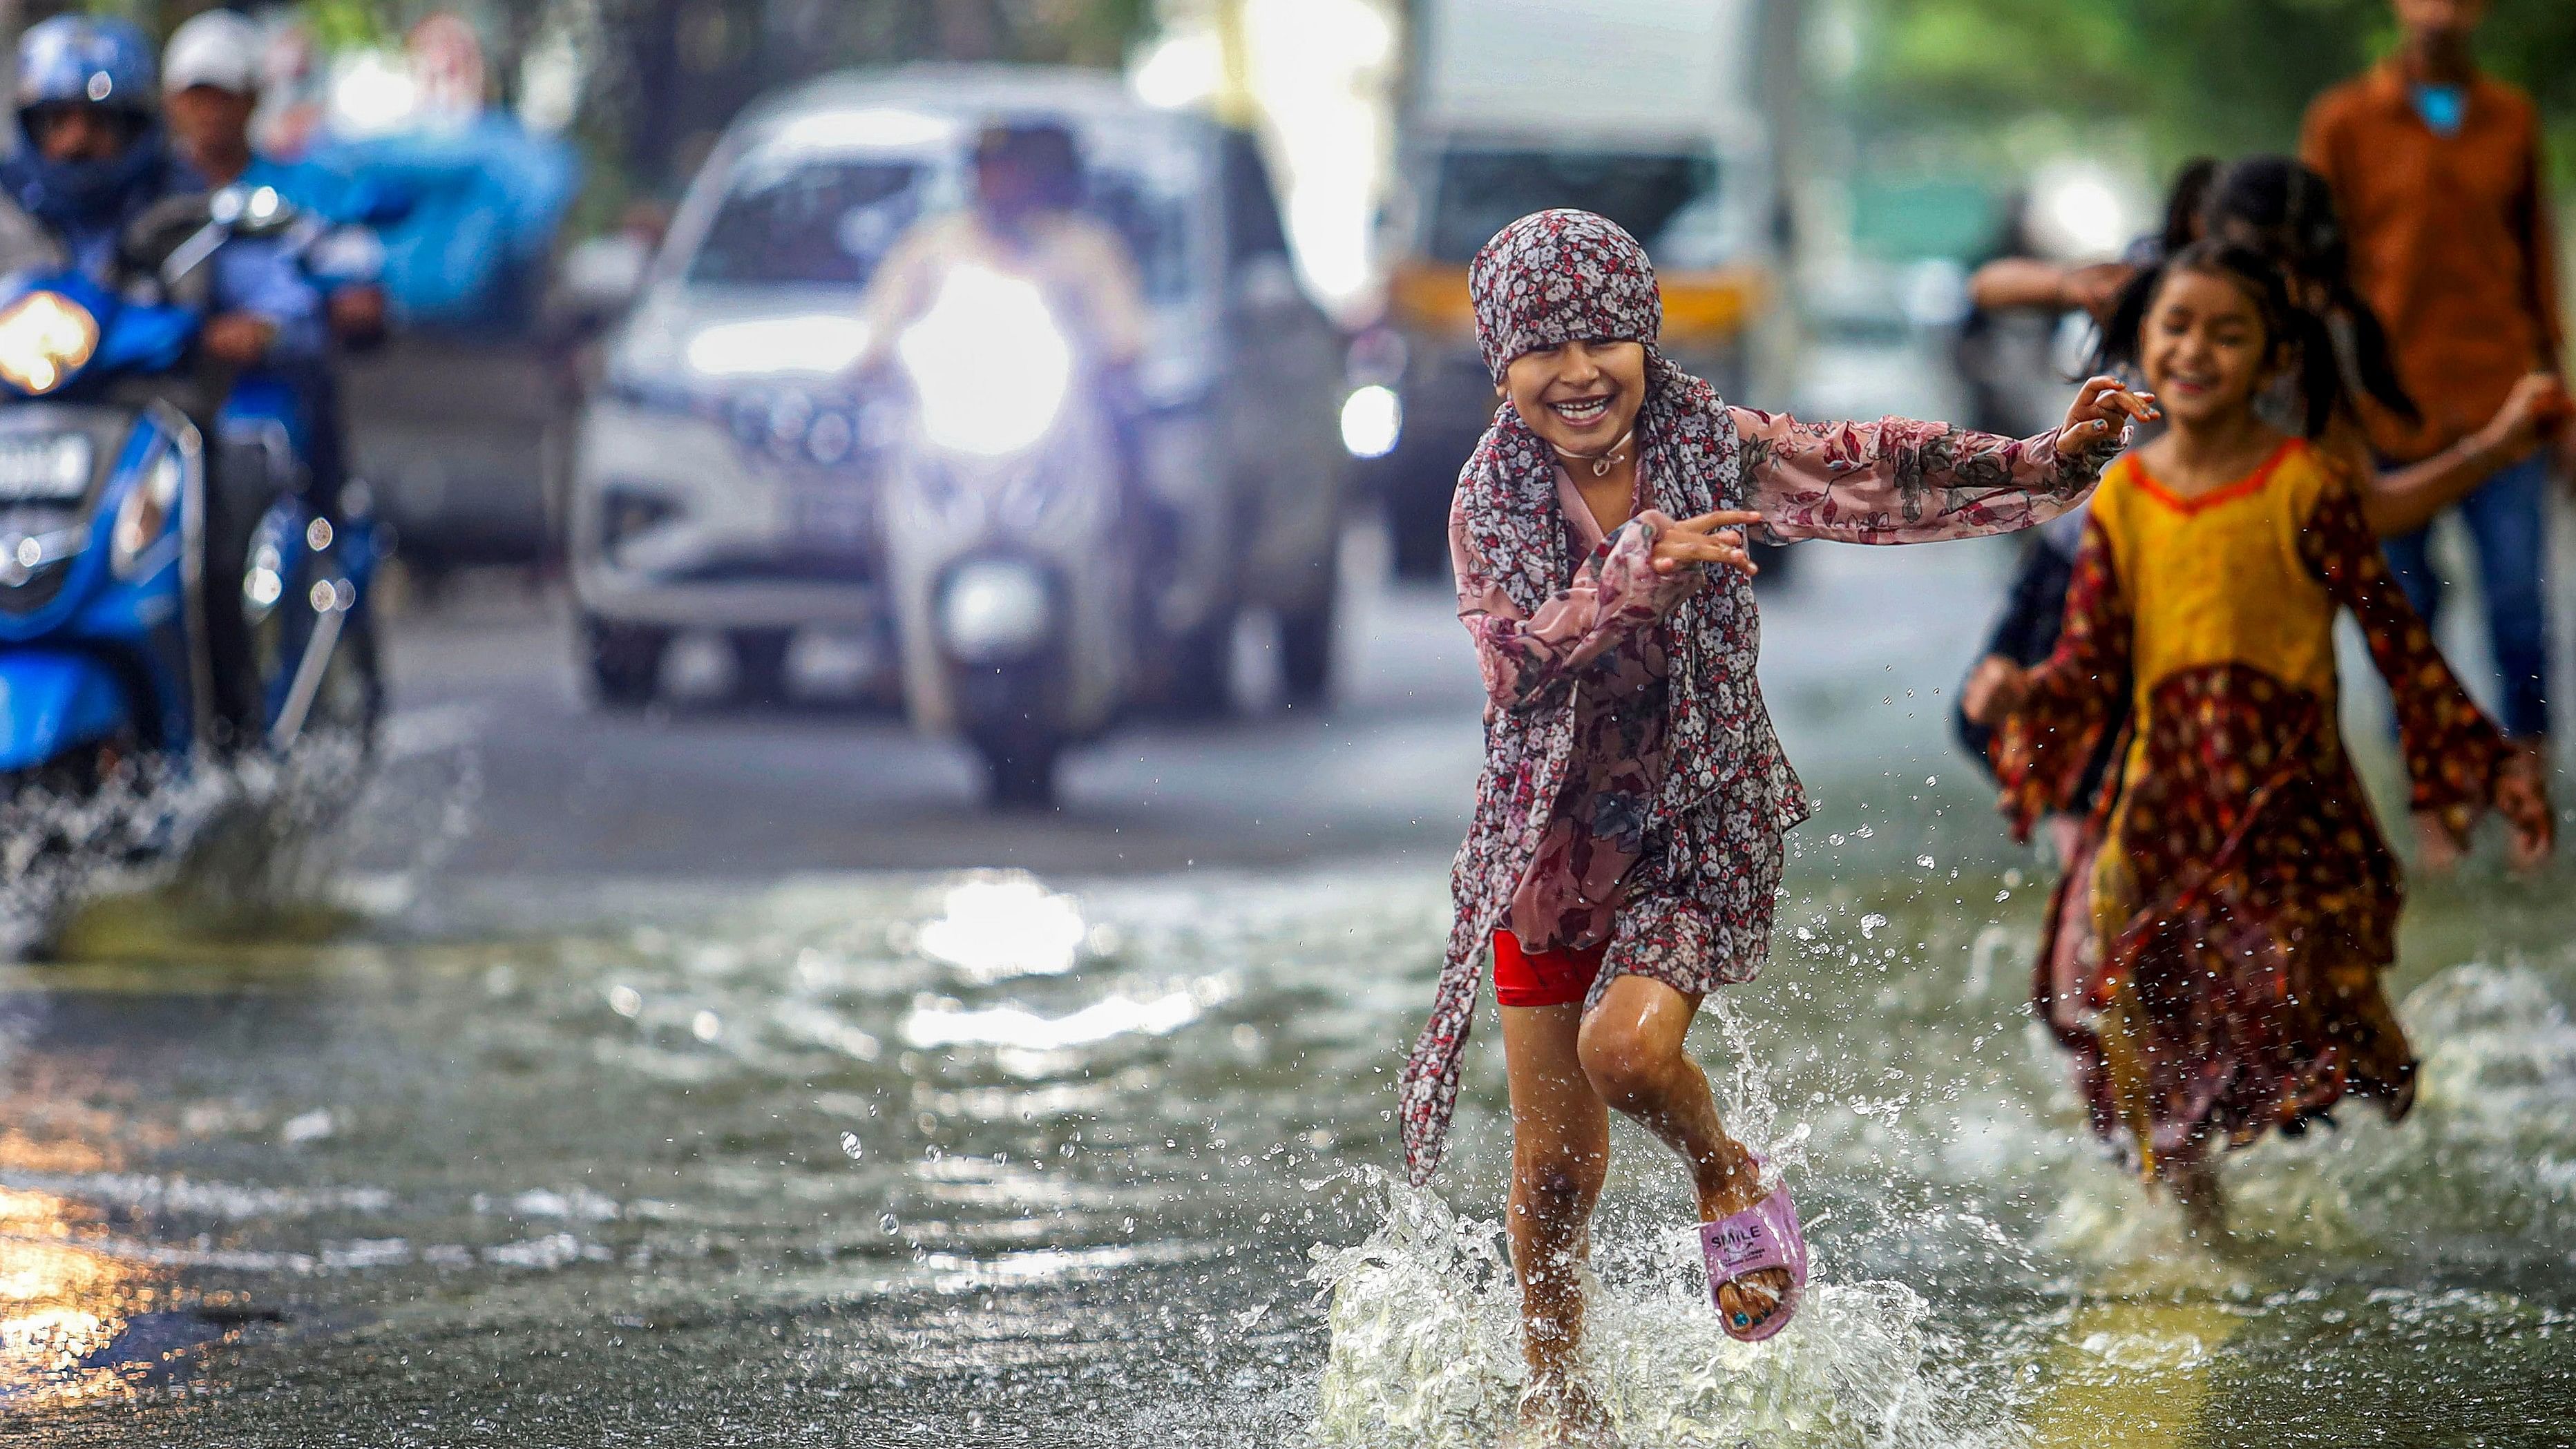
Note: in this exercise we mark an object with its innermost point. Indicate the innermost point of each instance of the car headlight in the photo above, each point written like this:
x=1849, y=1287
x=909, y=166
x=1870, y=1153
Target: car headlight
x=45, y=337
x=1372, y=421
x=988, y=363
x=145, y=514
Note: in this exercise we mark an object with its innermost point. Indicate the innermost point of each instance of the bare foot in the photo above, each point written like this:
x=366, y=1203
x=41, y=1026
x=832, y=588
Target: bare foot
x=1560, y=1413
x=1755, y=1296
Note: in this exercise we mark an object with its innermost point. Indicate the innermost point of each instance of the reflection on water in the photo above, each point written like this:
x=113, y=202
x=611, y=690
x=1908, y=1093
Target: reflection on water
x=989, y=1159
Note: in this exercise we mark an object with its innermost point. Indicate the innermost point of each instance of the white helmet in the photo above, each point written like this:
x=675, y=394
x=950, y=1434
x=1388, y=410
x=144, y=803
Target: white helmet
x=220, y=48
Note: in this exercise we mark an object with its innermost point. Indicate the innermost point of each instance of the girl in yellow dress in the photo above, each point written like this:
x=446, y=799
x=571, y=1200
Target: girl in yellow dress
x=2239, y=905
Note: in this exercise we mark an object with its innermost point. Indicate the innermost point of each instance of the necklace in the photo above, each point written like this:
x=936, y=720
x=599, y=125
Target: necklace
x=1603, y=461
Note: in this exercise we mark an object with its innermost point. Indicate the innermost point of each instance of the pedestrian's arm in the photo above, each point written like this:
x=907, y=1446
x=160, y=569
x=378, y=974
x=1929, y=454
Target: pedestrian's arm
x=2019, y=283
x=2052, y=717
x=1533, y=660
x=2402, y=500
x=1902, y=481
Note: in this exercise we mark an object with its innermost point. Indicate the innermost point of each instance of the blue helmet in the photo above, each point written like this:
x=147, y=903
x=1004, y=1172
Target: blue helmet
x=86, y=59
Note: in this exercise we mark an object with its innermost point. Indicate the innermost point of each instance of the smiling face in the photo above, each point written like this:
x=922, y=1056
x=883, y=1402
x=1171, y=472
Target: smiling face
x=2205, y=349
x=1582, y=397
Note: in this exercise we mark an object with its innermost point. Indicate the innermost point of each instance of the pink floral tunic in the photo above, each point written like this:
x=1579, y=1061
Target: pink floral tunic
x=1633, y=790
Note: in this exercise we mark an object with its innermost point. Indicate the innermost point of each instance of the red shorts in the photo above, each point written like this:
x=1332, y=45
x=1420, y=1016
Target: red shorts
x=1542, y=978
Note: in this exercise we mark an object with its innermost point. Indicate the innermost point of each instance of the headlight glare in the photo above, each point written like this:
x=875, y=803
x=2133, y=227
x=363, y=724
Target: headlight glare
x=45, y=337
x=994, y=611
x=989, y=364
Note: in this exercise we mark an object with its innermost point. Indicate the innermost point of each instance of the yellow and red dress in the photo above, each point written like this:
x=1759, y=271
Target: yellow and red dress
x=2214, y=964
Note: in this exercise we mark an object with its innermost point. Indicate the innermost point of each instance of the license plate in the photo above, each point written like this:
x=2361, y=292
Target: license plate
x=44, y=467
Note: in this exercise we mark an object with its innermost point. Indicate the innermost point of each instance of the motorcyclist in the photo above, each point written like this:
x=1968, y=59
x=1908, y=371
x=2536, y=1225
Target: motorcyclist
x=210, y=84
x=91, y=159
x=1025, y=220
x=210, y=79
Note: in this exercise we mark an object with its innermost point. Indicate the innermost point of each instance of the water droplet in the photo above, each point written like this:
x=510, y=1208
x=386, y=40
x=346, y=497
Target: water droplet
x=1924, y=861
x=850, y=1145
x=626, y=1001
x=889, y=1225
x=706, y=1026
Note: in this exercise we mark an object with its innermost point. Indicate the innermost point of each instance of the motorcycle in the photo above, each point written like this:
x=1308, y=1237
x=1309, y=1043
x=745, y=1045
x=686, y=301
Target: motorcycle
x=139, y=488
x=1008, y=537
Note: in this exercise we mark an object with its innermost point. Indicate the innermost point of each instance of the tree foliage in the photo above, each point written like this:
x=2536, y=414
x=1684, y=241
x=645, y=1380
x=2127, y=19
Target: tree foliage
x=2220, y=76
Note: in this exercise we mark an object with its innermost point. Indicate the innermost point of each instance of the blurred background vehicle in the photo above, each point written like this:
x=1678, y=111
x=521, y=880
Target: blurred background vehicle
x=728, y=476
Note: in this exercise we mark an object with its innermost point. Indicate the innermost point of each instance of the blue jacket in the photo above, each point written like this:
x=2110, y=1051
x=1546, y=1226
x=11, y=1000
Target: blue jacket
x=254, y=275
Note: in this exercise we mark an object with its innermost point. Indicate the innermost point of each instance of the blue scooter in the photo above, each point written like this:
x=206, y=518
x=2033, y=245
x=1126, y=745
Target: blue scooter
x=125, y=528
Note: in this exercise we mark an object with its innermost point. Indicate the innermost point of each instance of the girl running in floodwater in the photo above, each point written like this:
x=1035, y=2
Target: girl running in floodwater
x=2241, y=906
x=1628, y=829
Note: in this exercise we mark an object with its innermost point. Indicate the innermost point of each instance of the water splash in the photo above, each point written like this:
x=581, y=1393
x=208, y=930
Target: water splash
x=1426, y=1349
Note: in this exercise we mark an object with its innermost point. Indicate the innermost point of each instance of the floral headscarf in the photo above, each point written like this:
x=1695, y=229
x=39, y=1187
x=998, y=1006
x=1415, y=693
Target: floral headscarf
x=1554, y=277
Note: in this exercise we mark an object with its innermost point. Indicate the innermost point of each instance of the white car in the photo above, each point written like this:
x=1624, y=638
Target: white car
x=726, y=478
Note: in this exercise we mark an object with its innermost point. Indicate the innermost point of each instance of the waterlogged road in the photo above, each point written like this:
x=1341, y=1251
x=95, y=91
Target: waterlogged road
x=713, y=1079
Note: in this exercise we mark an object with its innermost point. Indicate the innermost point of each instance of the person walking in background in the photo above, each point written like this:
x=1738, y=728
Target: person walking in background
x=2436, y=168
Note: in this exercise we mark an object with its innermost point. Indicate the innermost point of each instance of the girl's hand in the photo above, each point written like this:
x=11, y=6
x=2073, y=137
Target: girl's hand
x=2102, y=409
x=1712, y=538
x=1995, y=688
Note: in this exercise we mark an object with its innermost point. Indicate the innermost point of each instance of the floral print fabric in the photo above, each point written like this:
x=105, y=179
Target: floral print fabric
x=2240, y=905
x=1598, y=811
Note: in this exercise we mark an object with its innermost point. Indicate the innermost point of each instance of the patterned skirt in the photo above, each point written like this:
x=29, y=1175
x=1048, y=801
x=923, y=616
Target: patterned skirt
x=1707, y=927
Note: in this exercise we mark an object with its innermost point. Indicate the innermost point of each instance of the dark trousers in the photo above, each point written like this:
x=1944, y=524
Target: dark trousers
x=2508, y=522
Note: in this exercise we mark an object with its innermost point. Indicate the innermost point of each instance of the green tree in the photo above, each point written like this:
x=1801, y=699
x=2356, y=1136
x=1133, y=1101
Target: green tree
x=2220, y=76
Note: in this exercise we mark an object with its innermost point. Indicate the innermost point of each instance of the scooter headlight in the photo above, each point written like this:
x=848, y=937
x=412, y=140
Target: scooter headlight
x=994, y=611
x=144, y=516
x=45, y=337
x=989, y=364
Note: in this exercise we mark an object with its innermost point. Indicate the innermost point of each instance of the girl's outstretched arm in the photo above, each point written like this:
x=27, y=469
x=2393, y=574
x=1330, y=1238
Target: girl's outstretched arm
x=2053, y=715
x=2457, y=762
x=1901, y=481
x=1532, y=660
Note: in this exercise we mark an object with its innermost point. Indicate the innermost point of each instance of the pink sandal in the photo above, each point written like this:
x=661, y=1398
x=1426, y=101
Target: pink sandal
x=1765, y=1235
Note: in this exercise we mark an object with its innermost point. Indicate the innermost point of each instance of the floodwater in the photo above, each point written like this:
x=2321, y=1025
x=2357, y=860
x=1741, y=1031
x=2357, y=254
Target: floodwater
x=991, y=1159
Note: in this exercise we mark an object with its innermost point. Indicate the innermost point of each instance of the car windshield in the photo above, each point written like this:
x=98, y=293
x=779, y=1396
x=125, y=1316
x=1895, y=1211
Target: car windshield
x=1153, y=221
x=825, y=221
x=1481, y=192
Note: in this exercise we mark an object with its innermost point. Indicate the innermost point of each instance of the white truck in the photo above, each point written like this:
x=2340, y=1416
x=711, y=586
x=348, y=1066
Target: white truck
x=1656, y=114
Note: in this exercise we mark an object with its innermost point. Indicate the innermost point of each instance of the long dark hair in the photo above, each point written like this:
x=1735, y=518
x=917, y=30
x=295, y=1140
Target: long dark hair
x=2281, y=208
x=2291, y=332
x=2187, y=204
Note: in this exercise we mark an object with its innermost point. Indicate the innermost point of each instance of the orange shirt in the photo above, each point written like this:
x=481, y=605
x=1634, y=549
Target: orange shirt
x=2451, y=245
